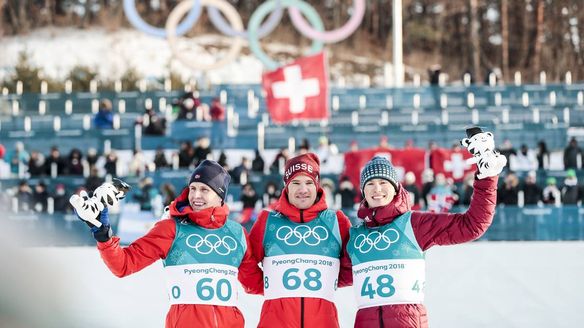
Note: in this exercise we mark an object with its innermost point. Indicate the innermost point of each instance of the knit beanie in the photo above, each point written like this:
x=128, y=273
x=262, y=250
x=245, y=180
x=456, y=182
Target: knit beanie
x=307, y=164
x=213, y=175
x=379, y=168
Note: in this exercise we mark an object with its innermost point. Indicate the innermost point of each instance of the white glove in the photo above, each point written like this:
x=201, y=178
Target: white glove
x=87, y=209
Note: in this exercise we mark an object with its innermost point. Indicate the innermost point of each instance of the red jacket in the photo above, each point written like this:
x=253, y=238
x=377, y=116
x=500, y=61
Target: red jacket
x=156, y=244
x=298, y=311
x=429, y=229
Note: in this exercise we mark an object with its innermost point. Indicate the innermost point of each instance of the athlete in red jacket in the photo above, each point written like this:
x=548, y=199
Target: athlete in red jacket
x=299, y=244
x=387, y=251
x=203, y=253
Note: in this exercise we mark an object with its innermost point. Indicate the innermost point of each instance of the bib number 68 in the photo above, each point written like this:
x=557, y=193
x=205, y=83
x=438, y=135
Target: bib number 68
x=292, y=281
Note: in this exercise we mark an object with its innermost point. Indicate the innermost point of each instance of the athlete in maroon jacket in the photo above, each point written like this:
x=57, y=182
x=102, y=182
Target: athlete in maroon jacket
x=387, y=251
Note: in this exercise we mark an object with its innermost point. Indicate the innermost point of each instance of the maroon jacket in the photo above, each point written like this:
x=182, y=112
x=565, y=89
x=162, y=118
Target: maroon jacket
x=429, y=229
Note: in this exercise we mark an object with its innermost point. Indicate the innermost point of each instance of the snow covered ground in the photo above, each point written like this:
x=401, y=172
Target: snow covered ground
x=486, y=284
x=110, y=54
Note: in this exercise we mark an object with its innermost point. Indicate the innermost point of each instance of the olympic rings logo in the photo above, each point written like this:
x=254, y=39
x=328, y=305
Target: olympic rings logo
x=379, y=241
x=310, y=236
x=313, y=29
x=210, y=243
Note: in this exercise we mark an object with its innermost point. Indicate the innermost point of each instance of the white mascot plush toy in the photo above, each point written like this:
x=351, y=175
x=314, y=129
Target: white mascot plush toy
x=482, y=146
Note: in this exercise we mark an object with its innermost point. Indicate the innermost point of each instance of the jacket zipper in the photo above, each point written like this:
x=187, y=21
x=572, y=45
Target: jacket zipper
x=215, y=317
x=302, y=298
x=381, y=317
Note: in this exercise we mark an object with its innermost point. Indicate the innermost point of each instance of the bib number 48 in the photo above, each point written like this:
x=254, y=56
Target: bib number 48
x=383, y=288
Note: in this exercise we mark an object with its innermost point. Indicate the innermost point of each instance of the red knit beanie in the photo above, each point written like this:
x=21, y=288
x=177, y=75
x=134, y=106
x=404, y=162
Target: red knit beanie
x=307, y=164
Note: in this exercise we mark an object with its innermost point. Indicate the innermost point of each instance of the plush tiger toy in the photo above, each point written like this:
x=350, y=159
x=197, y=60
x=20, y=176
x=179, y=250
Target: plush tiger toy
x=482, y=146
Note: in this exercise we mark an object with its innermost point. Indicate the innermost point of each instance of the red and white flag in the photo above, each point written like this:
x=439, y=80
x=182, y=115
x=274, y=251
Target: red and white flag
x=452, y=163
x=298, y=91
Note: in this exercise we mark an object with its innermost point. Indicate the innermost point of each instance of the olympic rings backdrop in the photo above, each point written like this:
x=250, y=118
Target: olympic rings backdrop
x=312, y=27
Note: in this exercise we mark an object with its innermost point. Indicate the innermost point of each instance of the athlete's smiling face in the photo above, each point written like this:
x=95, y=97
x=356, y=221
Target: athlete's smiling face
x=378, y=192
x=302, y=191
x=202, y=196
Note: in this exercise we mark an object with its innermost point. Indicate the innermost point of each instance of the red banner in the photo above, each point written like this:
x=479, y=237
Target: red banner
x=452, y=163
x=404, y=160
x=298, y=91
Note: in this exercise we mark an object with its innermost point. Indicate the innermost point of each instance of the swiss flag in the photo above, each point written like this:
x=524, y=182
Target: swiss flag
x=298, y=91
x=452, y=163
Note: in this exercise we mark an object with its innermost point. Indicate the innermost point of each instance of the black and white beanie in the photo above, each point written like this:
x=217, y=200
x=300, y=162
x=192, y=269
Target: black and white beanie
x=379, y=168
x=213, y=175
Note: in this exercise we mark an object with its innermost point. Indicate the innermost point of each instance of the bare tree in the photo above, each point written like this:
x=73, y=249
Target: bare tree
x=475, y=48
x=505, y=39
x=538, y=38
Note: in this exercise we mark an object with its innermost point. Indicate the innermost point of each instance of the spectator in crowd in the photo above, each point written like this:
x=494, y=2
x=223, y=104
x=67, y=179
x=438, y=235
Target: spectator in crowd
x=571, y=154
x=348, y=194
x=441, y=197
x=240, y=173
x=24, y=196
x=104, y=118
x=532, y=193
x=384, y=142
x=93, y=181
x=508, y=194
x=138, y=164
x=218, y=128
x=186, y=153
x=328, y=186
x=326, y=151
x=92, y=157
x=223, y=161
x=526, y=160
x=188, y=105
x=61, y=199
x=168, y=193
x=75, y=162
x=353, y=146
x=148, y=196
x=271, y=194
x=571, y=191
x=17, y=158
x=551, y=193
x=55, y=160
x=508, y=151
x=278, y=163
x=467, y=189
x=543, y=155
x=248, y=198
x=155, y=126
x=258, y=164
x=36, y=164
x=434, y=73
x=304, y=147
x=160, y=160
x=40, y=198
x=202, y=150
x=111, y=164
x=427, y=184
x=412, y=189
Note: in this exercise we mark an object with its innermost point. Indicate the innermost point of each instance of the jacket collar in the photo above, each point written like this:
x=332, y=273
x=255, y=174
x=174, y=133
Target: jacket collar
x=296, y=215
x=210, y=218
